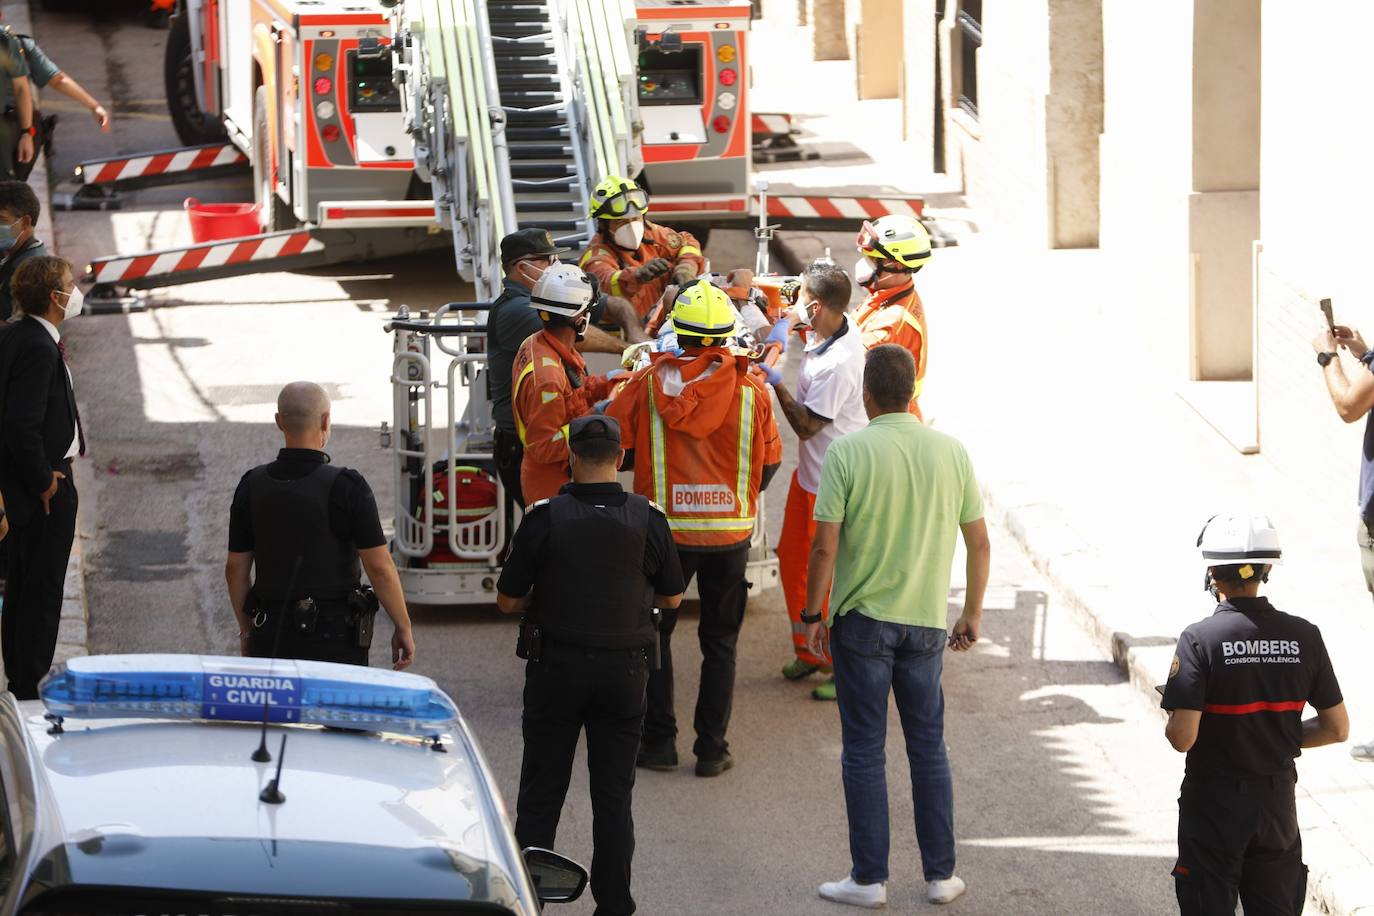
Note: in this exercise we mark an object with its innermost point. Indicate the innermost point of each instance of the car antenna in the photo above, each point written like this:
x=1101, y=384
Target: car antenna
x=262, y=754
x=272, y=795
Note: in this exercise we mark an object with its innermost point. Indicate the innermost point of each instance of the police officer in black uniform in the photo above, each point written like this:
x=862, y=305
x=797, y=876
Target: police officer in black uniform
x=1235, y=695
x=594, y=561
x=310, y=528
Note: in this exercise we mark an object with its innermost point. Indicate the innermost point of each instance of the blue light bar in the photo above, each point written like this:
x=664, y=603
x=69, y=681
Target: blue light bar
x=232, y=689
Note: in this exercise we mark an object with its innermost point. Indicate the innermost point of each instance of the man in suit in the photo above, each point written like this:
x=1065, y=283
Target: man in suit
x=40, y=434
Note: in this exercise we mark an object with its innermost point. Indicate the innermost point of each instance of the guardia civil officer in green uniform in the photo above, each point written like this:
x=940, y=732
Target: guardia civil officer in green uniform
x=16, y=106
x=19, y=208
x=588, y=566
x=301, y=531
x=1235, y=695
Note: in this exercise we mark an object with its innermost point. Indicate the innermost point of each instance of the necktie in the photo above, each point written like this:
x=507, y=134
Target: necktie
x=71, y=396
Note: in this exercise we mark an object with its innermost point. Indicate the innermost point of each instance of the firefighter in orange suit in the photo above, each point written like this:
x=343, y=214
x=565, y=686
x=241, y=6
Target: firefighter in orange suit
x=893, y=249
x=549, y=381
x=705, y=445
x=633, y=259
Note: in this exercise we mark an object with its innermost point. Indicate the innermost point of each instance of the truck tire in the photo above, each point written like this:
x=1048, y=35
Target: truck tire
x=193, y=125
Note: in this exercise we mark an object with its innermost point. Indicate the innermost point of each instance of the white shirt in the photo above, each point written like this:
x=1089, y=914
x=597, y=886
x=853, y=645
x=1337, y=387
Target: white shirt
x=831, y=385
x=57, y=338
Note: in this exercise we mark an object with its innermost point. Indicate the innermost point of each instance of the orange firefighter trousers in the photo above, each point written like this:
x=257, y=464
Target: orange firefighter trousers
x=794, y=552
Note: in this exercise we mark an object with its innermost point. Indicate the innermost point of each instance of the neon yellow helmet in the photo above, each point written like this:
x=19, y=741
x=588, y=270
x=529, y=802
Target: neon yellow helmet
x=896, y=238
x=703, y=311
x=617, y=198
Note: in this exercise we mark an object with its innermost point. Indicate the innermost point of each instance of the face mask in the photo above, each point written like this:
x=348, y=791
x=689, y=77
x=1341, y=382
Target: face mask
x=802, y=313
x=864, y=271
x=73, y=306
x=7, y=234
x=629, y=235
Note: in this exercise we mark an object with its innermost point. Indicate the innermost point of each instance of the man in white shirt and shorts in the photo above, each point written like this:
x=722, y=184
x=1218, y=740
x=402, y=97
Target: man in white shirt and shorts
x=828, y=405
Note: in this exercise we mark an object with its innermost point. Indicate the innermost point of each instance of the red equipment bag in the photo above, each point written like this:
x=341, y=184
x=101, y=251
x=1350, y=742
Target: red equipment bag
x=473, y=499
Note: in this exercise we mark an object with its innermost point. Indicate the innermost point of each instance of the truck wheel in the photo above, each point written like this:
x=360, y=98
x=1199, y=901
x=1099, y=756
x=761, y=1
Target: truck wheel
x=193, y=125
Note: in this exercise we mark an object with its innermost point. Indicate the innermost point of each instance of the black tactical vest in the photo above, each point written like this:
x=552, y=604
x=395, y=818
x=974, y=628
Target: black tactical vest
x=591, y=590
x=291, y=519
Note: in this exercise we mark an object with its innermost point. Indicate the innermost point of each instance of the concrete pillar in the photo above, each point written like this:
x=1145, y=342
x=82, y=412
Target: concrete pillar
x=874, y=32
x=1225, y=205
x=827, y=18
x=1073, y=122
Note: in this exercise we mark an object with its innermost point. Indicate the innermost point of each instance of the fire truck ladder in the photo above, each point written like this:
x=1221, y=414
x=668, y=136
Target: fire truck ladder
x=517, y=107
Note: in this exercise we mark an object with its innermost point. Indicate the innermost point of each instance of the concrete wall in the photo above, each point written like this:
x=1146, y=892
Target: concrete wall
x=1000, y=156
x=1315, y=210
x=828, y=29
x=918, y=76
x=1146, y=172
x=1029, y=160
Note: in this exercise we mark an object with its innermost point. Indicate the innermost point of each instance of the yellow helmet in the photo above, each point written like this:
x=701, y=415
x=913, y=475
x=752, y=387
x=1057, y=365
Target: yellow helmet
x=617, y=198
x=704, y=311
x=896, y=238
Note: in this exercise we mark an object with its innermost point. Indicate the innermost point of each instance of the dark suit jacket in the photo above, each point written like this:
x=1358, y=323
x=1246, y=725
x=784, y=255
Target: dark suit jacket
x=37, y=415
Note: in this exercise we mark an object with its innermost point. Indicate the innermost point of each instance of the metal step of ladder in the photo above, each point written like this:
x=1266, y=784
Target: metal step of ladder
x=547, y=174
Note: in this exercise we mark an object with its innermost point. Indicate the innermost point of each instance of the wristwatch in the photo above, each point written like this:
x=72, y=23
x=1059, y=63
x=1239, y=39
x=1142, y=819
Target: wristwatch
x=1324, y=358
x=811, y=618
x=30, y=130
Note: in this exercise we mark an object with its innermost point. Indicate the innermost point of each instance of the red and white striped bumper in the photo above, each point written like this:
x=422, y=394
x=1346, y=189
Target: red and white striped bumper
x=128, y=168
x=811, y=208
x=202, y=257
x=768, y=125
x=842, y=208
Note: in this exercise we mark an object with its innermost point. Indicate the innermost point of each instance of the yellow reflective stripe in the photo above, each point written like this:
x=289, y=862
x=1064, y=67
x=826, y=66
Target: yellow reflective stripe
x=615, y=283
x=682, y=523
x=920, y=383
x=911, y=320
x=515, y=400
x=561, y=434
x=746, y=446
x=657, y=459
x=688, y=249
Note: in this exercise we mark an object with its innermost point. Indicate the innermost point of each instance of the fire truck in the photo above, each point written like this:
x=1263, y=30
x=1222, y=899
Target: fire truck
x=377, y=127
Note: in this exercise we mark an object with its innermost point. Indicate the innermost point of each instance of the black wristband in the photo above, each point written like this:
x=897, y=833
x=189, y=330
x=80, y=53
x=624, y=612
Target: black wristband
x=811, y=618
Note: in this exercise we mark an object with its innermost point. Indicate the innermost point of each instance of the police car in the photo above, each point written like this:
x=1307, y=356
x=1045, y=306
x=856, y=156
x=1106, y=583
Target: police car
x=151, y=784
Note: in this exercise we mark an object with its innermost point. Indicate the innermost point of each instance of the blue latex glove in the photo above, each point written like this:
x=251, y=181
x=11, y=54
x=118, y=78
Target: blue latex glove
x=600, y=406
x=781, y=328
x=773, y=375
x=616, y=373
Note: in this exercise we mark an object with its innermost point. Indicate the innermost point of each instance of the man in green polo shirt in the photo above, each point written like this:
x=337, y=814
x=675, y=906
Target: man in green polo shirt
x=893, y=498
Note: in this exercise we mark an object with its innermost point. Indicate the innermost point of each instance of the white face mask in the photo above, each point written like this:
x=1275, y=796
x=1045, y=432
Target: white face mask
x=863, y=271
x=801, y=311
x=73, y=306
x=629, y=235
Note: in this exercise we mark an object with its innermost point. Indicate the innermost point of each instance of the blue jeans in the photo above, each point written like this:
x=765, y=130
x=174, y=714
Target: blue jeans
x=872, y=658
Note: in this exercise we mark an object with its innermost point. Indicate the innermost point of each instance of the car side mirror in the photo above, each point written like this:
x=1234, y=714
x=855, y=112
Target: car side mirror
x=557, y=879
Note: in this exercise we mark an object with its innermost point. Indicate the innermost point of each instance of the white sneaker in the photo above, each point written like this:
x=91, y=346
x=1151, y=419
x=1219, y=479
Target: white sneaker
x=1363, y=752
x=945, y=891
x=849, y=891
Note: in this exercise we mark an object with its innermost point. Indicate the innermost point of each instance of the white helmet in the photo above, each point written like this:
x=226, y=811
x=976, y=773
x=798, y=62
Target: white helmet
x=562, y=290
x=1230, y=540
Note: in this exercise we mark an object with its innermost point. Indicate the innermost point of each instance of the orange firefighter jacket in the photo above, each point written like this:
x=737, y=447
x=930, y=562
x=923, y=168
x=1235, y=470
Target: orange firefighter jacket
x=896, y=316
x=549, y=388
x=702, y=430
x=614, y=267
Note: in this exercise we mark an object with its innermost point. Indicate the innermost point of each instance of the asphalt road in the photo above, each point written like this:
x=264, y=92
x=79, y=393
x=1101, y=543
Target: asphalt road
x=1065, y=786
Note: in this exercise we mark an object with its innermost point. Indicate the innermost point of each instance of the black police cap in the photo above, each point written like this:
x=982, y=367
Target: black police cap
x=529, y=243
x=596, y=426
